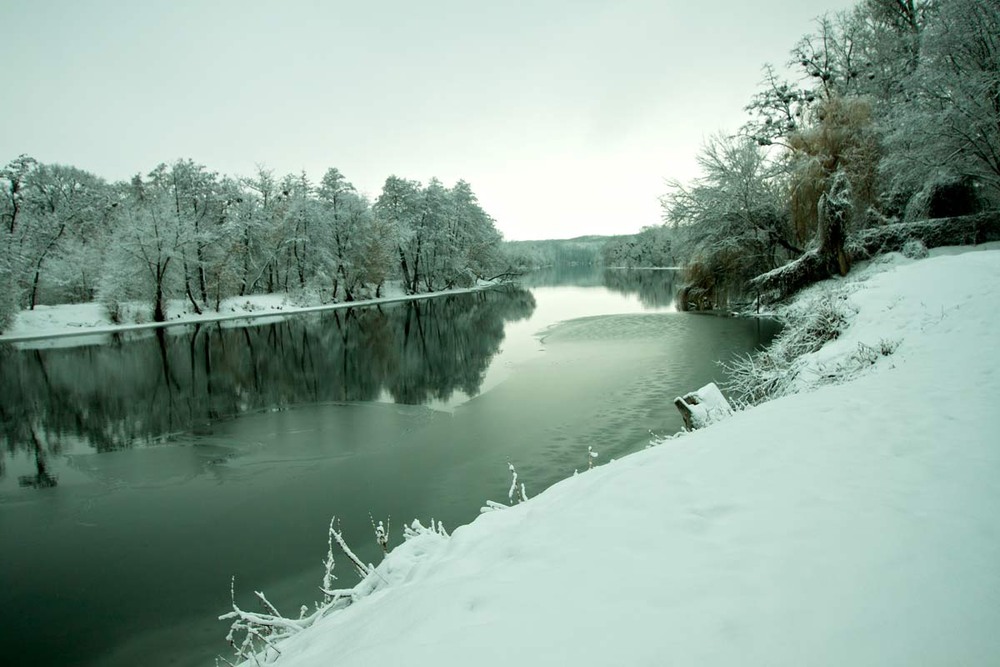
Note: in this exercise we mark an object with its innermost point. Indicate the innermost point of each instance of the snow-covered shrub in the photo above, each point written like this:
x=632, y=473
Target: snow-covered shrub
x=118, y=287
x=887, y=347
x=255, y=636
x=305, y=296
x=771, y=373
x=914, y=249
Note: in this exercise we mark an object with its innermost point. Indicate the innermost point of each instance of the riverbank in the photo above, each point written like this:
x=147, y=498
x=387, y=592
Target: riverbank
x=846, y=523
x=86, y=319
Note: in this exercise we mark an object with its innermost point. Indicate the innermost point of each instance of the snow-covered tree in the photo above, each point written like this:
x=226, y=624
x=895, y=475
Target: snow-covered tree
x=13, y=181
x=948, y=134
x=399, y=205
x=731, y=222
x=149, y=244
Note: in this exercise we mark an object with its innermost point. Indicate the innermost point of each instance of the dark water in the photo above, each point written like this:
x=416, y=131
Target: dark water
x=140, y=474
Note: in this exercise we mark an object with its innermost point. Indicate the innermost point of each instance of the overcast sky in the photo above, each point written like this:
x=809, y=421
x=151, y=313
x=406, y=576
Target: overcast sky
x=566, y=116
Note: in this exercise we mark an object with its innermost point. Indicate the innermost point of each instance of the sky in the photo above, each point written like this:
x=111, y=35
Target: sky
x=567, y=117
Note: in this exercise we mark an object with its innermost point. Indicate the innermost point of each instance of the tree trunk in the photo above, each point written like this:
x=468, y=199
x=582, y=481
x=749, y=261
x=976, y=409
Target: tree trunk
x=159, y=307
x=38, y=266
x=405, y=268
x=829, y=259
x=159, y=312
x=834, y=216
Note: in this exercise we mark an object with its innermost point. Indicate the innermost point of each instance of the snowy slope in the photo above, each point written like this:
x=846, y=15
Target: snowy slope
x=854, y=524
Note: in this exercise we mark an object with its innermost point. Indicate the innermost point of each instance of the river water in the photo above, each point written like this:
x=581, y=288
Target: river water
x=139, y=474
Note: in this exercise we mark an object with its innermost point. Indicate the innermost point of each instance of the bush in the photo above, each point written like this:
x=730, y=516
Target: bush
x=772, y=373
x=914, y=249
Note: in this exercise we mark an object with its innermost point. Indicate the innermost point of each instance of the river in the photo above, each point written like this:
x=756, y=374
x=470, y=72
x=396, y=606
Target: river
x=138, y=475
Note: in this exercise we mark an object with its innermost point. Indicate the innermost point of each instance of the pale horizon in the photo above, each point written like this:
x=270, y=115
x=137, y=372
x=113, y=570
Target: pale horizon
x=566, y=118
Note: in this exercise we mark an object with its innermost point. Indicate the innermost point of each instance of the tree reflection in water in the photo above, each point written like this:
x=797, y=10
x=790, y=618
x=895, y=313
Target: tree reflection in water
x=655, y=287
x=142, y=390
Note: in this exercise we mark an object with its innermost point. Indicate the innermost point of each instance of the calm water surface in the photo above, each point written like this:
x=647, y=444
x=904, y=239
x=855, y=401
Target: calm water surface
x=139, y=474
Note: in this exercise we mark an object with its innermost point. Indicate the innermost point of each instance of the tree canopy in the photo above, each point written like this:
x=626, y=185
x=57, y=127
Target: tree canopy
x=182, y=231
x=890, y=113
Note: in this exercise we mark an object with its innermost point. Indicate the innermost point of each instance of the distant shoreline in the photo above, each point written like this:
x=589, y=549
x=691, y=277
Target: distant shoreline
x=213, y=316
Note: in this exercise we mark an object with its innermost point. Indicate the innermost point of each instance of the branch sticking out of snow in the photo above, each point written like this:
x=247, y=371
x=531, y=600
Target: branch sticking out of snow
x=416, y=529
x=492, y=506
x=381, y=533
x=263, y=631
x=338, y=537
x=515, y=490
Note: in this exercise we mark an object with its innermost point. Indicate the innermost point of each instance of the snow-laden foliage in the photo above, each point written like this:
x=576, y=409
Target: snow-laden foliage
x=256, y=637
x=730, y=223
x=652, y=247
x=949, y=128
x=184, y=232
x=820, y=315
x=914, y=249
x=900, y=97
x=776, y=371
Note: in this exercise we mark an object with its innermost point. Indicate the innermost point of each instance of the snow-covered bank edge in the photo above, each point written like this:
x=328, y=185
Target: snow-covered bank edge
x=849, y=523
x=277, y=308
x=810, y=352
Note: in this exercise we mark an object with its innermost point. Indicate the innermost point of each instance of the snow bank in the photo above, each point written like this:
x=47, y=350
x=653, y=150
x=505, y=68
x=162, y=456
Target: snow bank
x=848, y=524
x=74, y=319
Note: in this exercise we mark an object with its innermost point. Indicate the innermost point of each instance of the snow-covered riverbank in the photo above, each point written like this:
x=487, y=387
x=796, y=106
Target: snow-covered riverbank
x=75, y=319
x=851, y=523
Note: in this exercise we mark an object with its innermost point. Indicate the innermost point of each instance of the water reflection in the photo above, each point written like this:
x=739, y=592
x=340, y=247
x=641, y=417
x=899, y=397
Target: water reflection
x=577, y=275
x=42, y=479
x=655, y=287
x=138, y=391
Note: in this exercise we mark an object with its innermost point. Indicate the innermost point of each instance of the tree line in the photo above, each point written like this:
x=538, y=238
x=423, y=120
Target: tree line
x=184, y=232
x=890, y=114
x=651, y=247
x=579, y=251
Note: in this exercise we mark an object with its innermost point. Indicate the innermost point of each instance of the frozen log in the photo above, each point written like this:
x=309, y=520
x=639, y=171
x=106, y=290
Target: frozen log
x=703, y=407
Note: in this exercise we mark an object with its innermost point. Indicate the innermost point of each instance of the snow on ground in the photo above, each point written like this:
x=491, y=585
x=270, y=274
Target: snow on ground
x=849, y=524
x=74, y=319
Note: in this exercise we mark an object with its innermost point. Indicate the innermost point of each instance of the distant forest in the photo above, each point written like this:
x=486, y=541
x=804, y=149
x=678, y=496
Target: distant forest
x=891, y=116
x=652, y=247
x=185, y=232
